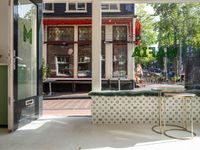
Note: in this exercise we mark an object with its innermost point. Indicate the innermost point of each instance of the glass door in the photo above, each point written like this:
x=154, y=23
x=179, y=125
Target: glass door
x=26, y=104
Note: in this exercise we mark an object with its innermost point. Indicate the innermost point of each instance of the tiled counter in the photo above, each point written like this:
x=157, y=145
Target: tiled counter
x=137, y=107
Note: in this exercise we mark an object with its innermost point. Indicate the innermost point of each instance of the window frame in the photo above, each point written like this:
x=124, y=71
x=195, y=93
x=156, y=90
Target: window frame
x=76, y=5
x=120, y=43
x=82, y=42
x=48, y=11
x=110, y=10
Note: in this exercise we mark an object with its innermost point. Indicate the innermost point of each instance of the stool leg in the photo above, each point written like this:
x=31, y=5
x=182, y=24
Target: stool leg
x=159, y=107
x=160, y=113
x=164, y=114
x=191, y=117
x=185, y=113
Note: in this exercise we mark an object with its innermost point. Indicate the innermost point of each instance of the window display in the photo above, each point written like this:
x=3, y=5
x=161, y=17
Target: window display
x=61, y=60
x=84, y=61
x=120, y=61
x=60, y=54
x=63, y=66
x=85, y=52
x=103, y=60
x=103, y=56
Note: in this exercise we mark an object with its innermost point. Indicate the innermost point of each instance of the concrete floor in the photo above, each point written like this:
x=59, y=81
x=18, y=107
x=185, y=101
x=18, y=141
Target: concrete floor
x=74, y=133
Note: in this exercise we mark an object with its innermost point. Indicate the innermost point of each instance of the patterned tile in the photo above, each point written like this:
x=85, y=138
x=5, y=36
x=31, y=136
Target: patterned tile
x=141, y=109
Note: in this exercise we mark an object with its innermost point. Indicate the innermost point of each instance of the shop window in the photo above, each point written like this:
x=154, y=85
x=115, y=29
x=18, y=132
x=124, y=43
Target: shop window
x=61, y=34
x=85, y=52
x=103, y=62
x=84, y=60
x=119, y=61
x=103, y=57
x=110, y=7
x=63, y=66
x=76, y=7
x=120, y=51
x=48, y=7
x=60, y=60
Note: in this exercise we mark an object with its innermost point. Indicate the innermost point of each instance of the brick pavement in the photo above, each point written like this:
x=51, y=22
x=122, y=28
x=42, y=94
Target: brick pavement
x=67, y=107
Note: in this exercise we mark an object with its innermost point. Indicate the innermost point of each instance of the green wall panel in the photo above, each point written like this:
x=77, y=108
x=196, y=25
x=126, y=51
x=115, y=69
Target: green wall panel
x=3, y=95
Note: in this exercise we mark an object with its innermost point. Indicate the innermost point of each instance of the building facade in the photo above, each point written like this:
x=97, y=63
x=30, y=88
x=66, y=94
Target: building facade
x=67, y=48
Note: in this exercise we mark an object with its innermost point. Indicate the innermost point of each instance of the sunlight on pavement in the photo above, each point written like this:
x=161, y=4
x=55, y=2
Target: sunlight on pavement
x=192, y=144
x=34, y=125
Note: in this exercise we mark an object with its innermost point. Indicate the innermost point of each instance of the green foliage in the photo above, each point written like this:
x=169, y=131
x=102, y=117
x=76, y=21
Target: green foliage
x=45, y=70
x=148, y=34
x=178, y=26
x=124, y=93
x=145, y=56
x=179, y=22
x=176, y=78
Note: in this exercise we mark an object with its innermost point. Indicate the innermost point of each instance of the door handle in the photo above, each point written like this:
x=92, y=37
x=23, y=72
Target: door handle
x=29, y=102
x=19, y=58
x=14, y=61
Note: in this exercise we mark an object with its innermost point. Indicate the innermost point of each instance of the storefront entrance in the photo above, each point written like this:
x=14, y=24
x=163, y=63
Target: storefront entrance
x=24, y=86
x=24, y=59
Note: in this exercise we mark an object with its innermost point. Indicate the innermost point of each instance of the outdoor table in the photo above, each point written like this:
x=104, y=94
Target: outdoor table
x=182, y=97
x=161, y=106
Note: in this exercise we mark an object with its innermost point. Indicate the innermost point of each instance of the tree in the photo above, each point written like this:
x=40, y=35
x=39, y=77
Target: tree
x=179, y=23
x=178, y=26
x=148, y=34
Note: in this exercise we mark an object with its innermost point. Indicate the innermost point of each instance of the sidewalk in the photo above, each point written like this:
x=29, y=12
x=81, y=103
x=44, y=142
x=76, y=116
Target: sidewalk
x=67, y=107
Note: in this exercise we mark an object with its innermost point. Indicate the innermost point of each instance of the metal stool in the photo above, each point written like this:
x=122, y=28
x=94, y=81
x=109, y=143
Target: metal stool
x=161, y=90
x=183, y=97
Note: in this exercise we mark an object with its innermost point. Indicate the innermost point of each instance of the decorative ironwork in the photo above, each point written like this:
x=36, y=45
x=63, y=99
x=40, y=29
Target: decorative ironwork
x=120, y=33
x=60, y=34
x=85, y=33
